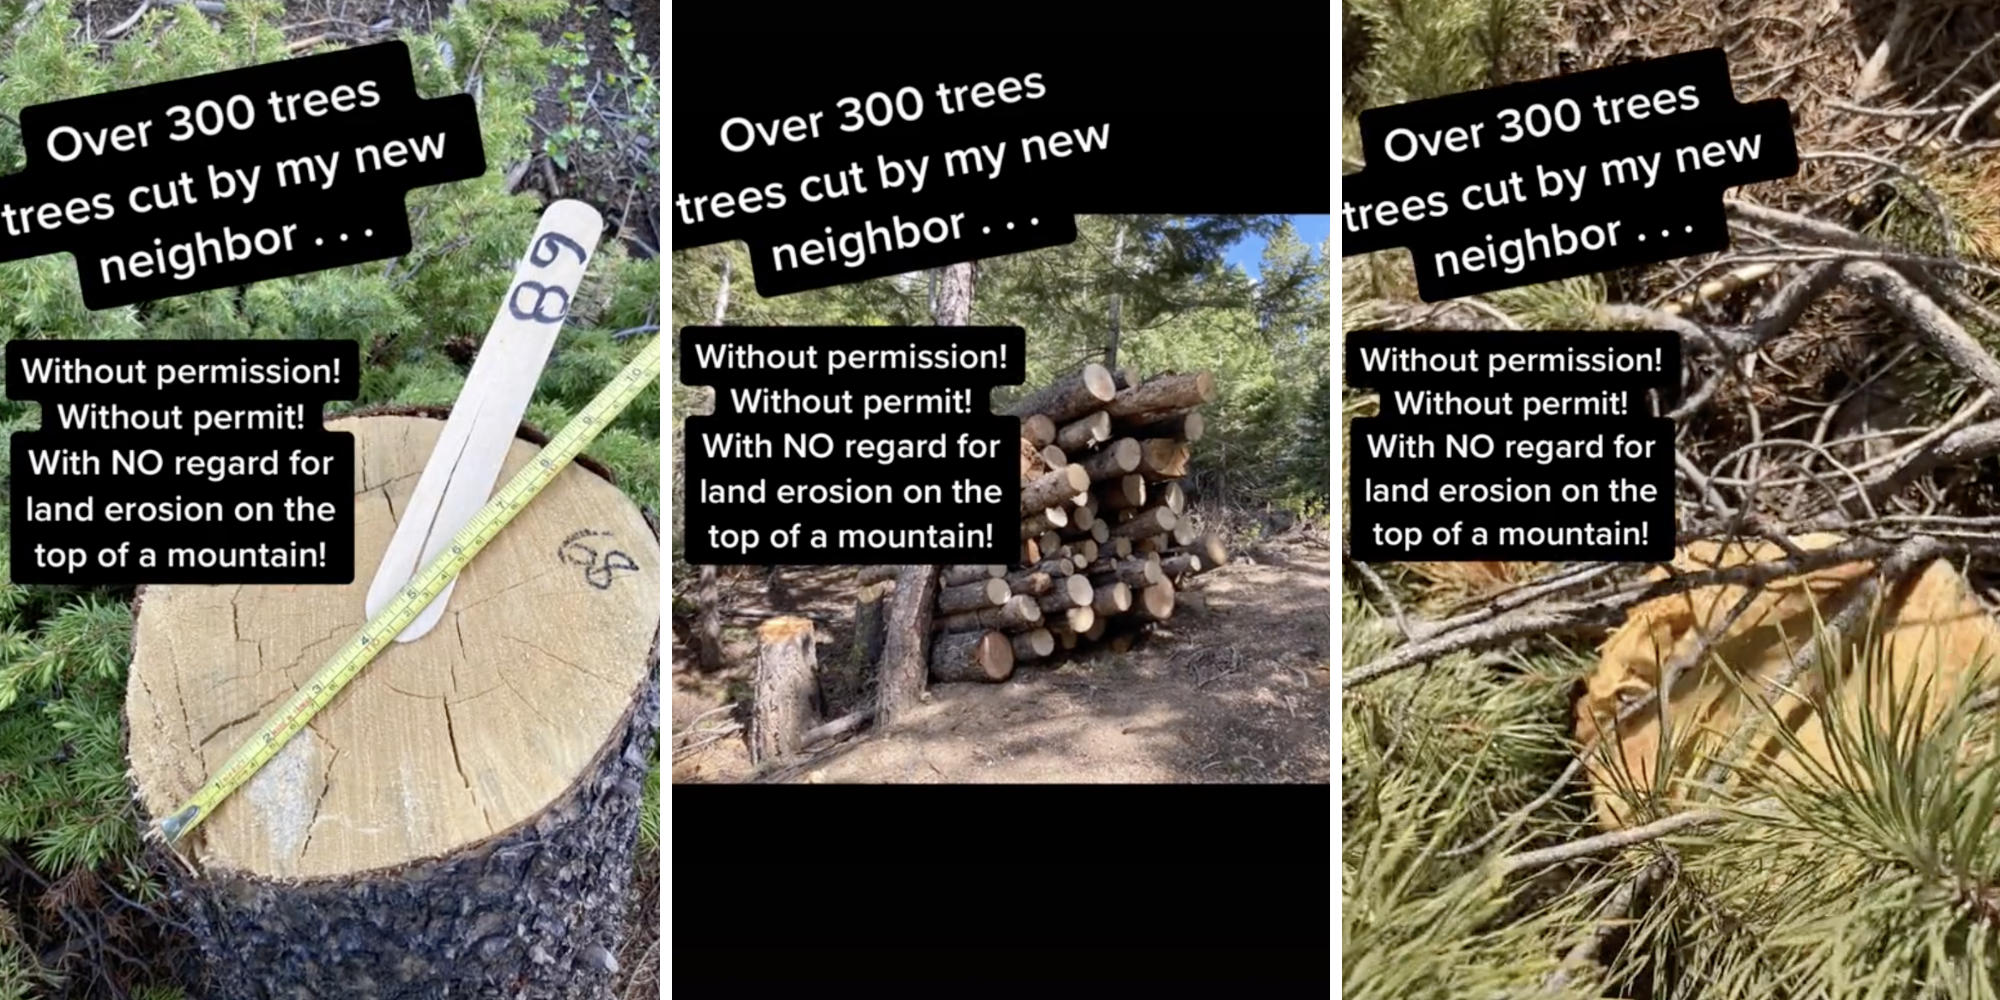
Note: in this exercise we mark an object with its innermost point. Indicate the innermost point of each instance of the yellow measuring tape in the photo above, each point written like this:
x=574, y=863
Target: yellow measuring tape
x=380, y=632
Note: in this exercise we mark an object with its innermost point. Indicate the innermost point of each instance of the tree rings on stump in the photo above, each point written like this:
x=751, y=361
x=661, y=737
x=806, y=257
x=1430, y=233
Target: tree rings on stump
x=461, y=819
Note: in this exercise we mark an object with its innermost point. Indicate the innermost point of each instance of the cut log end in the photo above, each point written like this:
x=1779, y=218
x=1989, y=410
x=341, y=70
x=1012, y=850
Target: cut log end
x=485, y=721
x=1155, y=603
x=1213, y=552
x=1117, y=459
x=987, y=593
x=972, y=656
x=1112, y=598
x=1085, y=432
x=1038, y=429
x=1034, y=644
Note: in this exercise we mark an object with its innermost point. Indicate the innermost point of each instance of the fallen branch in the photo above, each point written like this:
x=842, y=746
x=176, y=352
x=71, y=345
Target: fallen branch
x=1543, y=857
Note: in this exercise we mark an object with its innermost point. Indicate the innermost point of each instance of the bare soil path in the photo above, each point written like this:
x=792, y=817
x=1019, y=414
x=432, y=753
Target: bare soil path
x=1233, y=689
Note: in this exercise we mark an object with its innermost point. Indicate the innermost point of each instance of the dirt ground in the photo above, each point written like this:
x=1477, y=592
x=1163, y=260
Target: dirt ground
x=1233, y=689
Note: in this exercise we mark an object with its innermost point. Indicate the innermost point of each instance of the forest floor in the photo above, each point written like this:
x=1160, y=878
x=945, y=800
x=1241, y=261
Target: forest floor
x=1234, y=688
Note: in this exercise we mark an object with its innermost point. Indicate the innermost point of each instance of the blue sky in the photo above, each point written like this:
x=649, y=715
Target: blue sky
x=1312, y=230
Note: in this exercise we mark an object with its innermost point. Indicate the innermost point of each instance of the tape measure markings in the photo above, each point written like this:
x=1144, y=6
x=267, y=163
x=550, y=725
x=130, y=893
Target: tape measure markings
x=380, y=631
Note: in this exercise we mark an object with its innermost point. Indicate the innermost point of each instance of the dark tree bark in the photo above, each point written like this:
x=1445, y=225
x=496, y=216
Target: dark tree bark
x=367, y=858
x=1069, y=398
x=952, y=576
x=972, y=656
x=788, y=701
x=536, y=912
x=987, y=593
x=905, y=644
x=708, y=629
x=906, y=649
x=1117, y=311
x=868, y=612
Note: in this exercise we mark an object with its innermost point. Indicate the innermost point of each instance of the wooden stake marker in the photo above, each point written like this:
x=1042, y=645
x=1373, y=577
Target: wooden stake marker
x=463, y=467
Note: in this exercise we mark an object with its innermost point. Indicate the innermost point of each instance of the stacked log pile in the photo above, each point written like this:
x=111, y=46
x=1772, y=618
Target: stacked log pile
x=1106, y=543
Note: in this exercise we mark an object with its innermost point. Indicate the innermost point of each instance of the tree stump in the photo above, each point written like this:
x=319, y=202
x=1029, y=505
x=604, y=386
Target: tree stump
x=788, y=701
x=461, y=820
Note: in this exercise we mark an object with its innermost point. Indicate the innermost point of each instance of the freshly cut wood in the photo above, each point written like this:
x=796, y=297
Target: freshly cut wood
x=1117, y=459
x=1071, y=397
x=1151, y=521
x=1155, y=603
x=1086, y=432
x=387, y=841
x=1142, y=515
x=1155, y=544
x=972, y=656
x=1183, y=532
x=1181, y=564
x=1055, y=566
x=1112, y=598
x=1186, y=425
x=1119, y=548
x=1031, y=552
x=1053, y=488
x=1034, y=644
x=787, y=693
x=1033, y=465
x=1039, y=429
x=1079, y=619
x=1086, y=548
x=1032, y=582
x=1018, y=613
x=1048, y=541
x=1172, y=497
x=1098, y=533
x=1054, y=457
x=953, y=576
x=875, y=574
x=1080, y=520
x=1212, y=551
x=1163, y=458
x=1137, y=571
x=1124, y=493
x=1066, y=637
x=870, y=603
x=988, y=593
x=1050, y=520
x=1162, y=394
x=1070, y=592
x=1096, y=629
